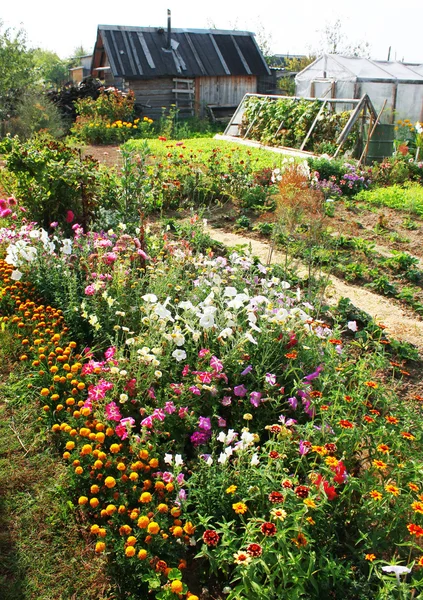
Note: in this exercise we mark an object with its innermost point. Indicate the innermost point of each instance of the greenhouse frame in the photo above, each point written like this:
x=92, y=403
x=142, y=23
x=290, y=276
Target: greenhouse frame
x=398, y=84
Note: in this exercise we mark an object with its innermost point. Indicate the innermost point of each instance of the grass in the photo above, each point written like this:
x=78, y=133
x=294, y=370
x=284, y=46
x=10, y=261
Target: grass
x=406, y=199
x=43, y=554
x=158, y=148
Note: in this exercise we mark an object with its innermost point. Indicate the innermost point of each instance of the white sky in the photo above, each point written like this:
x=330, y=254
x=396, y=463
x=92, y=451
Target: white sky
x=291, y=27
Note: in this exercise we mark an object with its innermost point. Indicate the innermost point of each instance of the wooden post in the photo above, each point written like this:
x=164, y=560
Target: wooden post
x=313, y=125
x=371, y=132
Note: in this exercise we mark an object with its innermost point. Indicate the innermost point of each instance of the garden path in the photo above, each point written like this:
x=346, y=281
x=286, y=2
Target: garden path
x=389, y=312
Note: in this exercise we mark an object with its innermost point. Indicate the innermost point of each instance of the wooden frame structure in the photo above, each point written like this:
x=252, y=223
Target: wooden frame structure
x=362, y=107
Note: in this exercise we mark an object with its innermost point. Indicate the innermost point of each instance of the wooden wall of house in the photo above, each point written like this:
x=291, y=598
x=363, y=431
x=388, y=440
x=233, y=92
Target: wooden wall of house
x=220, y=91
x=152, y=94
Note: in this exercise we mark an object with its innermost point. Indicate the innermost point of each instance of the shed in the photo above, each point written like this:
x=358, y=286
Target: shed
x=190, y=68
x=335, y=76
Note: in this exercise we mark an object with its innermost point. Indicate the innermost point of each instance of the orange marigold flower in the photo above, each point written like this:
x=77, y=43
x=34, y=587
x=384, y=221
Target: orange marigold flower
x=392, y=489
x=240, y=508
x=319, y=450
x=370, y=557
x=420, y=562
x=415, y=529
x=413, y=487
x=417, y=507
x=291, y=354
x=335, y=341
x=376, y=495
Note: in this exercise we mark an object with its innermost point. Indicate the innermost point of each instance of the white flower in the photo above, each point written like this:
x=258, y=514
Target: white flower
x=255, y=460
x=16, y=275
x=223, y=458
x=179, y=355
x=397, y=569
x=123, y=398
x=152, y=298
x=230, y=292
x=178, y=460
x=250, y=338
x=186, y=305
x=178, y=338
x=225, y=333
x=207, y=321
x=352, y=326
x=209, y=461
x=168, y=459
x=158, y=374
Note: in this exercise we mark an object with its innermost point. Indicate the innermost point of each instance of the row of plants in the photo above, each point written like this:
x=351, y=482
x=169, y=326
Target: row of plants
x=223, y=435
x=286, y=122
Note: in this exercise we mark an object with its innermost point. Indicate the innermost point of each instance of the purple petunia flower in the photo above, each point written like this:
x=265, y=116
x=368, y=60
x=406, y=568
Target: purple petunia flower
x=240, y=390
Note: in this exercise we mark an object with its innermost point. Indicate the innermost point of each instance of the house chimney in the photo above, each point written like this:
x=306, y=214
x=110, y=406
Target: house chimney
x=168, y=30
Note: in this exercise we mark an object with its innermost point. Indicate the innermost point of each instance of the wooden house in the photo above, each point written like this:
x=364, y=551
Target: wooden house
x=193, y=69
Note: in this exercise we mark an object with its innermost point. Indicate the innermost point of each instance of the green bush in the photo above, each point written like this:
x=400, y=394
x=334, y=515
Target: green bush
x=35, y=113
x=407, y=198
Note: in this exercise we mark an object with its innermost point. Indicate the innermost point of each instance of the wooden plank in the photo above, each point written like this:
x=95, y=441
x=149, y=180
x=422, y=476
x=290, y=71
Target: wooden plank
x=112, y=33
x=135, y=54
x=146, y=51
x=179, y=91
x=195, y=53
x=175, y=79
x=220, y=55
x=241, y=56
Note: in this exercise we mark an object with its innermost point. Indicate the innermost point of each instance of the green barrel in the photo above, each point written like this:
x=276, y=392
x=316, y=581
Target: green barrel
x=381, y=143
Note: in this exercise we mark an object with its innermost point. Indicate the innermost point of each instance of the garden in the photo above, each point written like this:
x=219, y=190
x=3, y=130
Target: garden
x=185, y=419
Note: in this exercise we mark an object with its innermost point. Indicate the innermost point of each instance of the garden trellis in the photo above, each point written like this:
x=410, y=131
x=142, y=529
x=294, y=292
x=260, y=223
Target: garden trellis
x=296, y=123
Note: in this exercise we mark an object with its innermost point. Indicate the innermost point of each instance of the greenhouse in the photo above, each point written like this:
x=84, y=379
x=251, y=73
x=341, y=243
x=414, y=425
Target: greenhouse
x=396, y=86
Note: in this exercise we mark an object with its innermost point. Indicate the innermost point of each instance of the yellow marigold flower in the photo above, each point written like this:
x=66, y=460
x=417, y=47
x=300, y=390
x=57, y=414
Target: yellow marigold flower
x=114, y=448
x=177, y=531
x=143, y=522
x=100, y=547
x=142, y=554
x=189, y=528
x=146, y=497
x=82, y=500
x=153, y=528
x=111, y=509
x=231, y=489
x=130, y=551
x=94, y=502
x=319, y=450
x=176, y=586
x=110, y=482
x=162, y=508
x=240, y=508
x=331, y=461
x=376, y=495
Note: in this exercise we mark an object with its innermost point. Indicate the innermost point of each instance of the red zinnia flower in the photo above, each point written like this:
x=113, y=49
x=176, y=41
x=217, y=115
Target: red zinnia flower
x=269, y=529
x=276, y=497
x=346, y=424
x=302, y=491
x=274, y=454
x=254, y=550
x=211, y=537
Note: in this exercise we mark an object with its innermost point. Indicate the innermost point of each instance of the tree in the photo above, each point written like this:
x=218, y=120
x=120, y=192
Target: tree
x=16, y=69
x=334, y=41
x=78, y=53
x=52, y=71
x=264, y=42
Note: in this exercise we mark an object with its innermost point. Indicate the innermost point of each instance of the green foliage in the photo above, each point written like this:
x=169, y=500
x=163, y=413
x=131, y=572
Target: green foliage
x=407, y=198
x=53, y=182
x=52, y=71
x=34, y=113
x=16, y=69
x=397, y=169
x=285, y=122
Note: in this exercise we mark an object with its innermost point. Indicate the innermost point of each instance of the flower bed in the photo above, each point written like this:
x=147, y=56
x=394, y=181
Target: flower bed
x=218, y=433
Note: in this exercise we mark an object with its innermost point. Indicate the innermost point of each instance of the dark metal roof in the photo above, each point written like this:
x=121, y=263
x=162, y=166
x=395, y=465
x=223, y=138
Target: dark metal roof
x=141, y=52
